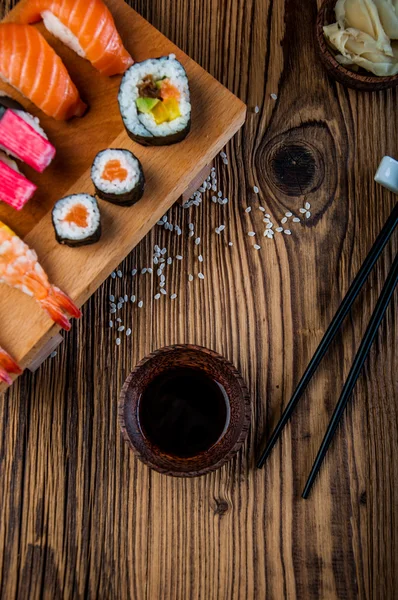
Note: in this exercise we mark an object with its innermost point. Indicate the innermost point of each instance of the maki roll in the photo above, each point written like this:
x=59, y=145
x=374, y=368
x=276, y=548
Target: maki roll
x=154, y=101
x=118, y=176
x=77, y=220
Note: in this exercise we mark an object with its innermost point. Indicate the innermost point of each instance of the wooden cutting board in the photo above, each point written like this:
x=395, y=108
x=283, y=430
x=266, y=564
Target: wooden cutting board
x=216, y=116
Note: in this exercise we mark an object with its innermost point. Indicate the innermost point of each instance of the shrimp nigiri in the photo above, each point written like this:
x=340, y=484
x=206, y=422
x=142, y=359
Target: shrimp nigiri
x=85, y=26
x=20, y=269
x=7, y=366
x=28, y=63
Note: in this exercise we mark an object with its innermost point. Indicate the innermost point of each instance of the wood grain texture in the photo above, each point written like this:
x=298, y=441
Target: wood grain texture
x=216, y=115
x=79, y=515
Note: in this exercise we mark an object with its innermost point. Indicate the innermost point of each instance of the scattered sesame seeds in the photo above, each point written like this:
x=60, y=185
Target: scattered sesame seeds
x=261, y=208
x=163, y=251
x=296, y=220
x=230, y=244
x=248, y=209
x=121, y=328
x=255, y=189
x=257, y=247
x=118, y=320
x=126, y=298
x=113, y=275
x=197, y=241
x=223, y=155
x=149, y=270
x=173, y=296
x=307, y=214
x=118, y=341
x=251, y=233
x=162, y=278
x=155, y=260
x=53, y=354
x=163, y=291
x=288, y=214
x=119, y=273
x=112, y=298
x=164, y=219
x=159, y=272
x=162, y=284
x=221, y=228
x=200, y=258
x=113, y=305
x=256, y=109
x=132, y=298
x=191, y=234
x=178, y=257
x=287, y=231
x=201, y=276
x=307, y=206
x=112, y=311
x=190, y=277
x=111, y=324
x=274, y=97
x=191, y=227
x=157, y=296
x=279, y=229
x=219, y=194
x=169, y=260
x=269, y=226
x=140, y=304
x=134, y=272
x=303, y=211
x=119, y=306
x=128, y=332
x=284, y=220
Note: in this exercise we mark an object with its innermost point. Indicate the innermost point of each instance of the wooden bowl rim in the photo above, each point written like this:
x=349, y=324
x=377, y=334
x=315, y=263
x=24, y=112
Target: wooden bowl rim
x=225, y=364
x=333, y=65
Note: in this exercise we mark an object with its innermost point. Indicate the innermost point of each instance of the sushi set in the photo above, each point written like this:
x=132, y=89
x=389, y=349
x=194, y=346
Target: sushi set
x=104, y=123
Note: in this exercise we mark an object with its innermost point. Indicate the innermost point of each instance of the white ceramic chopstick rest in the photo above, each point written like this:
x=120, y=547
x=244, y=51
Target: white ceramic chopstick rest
x=387, y=174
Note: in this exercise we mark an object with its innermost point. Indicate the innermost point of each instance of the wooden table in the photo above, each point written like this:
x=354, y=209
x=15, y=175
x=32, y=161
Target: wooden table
x=80, y=517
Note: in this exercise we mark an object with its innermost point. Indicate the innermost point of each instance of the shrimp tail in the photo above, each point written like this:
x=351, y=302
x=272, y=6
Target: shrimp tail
x=7, y=366
x=56, y=303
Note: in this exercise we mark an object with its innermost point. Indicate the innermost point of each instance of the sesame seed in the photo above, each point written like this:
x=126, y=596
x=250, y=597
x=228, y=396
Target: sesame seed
x=119, y=274
x=128, y=332
x=191, y=234
x=230, y=244
x=163, y=291
x=119, y=306
x=201, y=276
x=214, y=189
x=169, y=260
x=261, y=208
x=190, y=277
x=255, y=189
x=113, y=305
x=251, y=234
x=173, y=296
x=140, y=304
x=303, y=211
x=143, y=271
x=164, y=219
x=118, y=320
x=110, y=323
x=162, y=284
x=219, y=194
x=248, y=209
x=288, y=214
x=284, y=220
x=178, y=257
x=256, y=109
x=274, y=96
x=214, y=199
x=197, y=241
x=157, y=296
x=257, y=247
x=126, y=298
x=223, y=155
x=269, y=226
x=118, y=341
x=307, y=215
x=53, y=354
x=178, y=230
x=155, y=260
x=121, y=328
x=149, y=270
x=191, y=227
x=296, y=220
x=279, y=229
x=217, y=230
x=159, y=272
x=287, y=231
x=162, y=278
x=112, y=311
x=162, y=261
x=112, y=298
x=163, y=251
x=113, y=275
x=132, y=298
x=121, y=299
x=200, y=258
x=221, y=228
x=134, y=272
x=307, y=206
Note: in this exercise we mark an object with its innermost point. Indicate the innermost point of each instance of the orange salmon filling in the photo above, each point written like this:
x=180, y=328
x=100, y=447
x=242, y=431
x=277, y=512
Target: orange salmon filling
x=78, y=215
x=114, y=170
x=168, y=90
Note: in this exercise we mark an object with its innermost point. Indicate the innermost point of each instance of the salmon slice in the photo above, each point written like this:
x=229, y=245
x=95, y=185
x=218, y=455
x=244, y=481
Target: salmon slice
x=85, y=26
x=30, y=65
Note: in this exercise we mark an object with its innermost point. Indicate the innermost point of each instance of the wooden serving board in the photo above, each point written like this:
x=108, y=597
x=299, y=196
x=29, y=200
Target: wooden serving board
x=216, y=116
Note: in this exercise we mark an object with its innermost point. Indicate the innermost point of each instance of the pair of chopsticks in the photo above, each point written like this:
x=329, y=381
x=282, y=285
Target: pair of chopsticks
x=360, y=357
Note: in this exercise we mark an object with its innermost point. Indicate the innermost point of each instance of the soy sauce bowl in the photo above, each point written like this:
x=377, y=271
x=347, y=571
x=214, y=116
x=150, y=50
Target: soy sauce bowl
x=204, y=365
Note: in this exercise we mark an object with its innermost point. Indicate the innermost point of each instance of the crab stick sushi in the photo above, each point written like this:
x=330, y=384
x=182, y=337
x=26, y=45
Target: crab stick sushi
x=77, y=220
x=28, y=63
x=118, y=176
x=22, y=137
x=154, y=101
x=15, y=189
x=85, y=26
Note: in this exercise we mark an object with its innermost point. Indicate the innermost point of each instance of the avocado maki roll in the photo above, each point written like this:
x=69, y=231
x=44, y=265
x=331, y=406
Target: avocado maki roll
x=77, y=220
x=154, y=101
x=118, y=177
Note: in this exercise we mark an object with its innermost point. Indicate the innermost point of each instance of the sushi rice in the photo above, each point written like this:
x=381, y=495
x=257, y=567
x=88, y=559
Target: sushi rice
x=142, y=127
x=69, y=232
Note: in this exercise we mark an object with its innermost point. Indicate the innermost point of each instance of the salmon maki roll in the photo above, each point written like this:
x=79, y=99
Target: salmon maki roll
x=29, y=64
x=85, y=26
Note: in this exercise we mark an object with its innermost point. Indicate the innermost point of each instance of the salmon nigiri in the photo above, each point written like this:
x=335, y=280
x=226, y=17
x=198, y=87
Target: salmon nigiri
x=29, y=64
x=85, y=26
x=20, y=269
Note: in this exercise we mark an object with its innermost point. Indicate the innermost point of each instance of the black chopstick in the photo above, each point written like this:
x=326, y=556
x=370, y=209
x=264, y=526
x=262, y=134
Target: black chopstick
x=359, y=360
x=338, y=318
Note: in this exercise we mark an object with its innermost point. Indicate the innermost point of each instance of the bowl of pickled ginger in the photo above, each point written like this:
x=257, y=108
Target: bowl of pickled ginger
x=358, y=42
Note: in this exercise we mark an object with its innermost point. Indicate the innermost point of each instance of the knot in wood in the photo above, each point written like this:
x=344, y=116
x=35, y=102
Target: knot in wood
x=295, y=168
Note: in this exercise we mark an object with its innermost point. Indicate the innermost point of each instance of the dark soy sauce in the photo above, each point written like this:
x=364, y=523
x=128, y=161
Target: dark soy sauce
x=184, y=412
